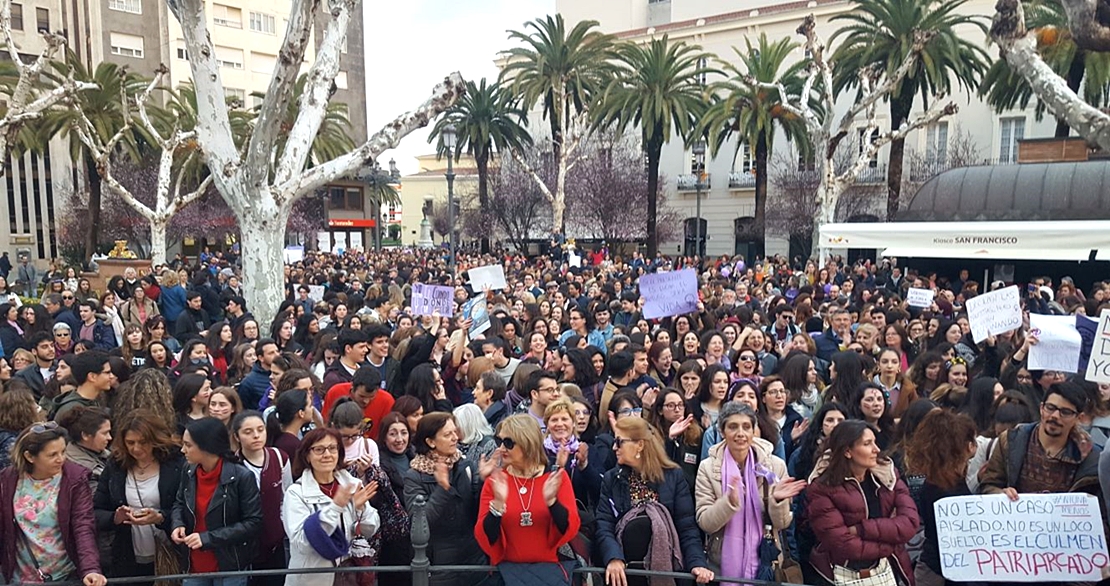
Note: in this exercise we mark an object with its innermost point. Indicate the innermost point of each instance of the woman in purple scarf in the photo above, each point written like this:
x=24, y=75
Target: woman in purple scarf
x=735, y=484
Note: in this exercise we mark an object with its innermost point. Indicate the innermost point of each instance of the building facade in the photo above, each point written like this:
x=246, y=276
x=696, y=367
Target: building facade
x=728, y=201
x=429, y=186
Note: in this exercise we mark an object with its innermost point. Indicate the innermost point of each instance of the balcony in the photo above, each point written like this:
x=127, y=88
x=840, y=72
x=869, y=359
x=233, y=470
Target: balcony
x=741, y=180
x=689, y=182
x=872, y=175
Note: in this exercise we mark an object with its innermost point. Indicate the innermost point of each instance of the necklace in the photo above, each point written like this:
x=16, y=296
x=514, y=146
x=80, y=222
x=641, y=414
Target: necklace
x=526, y=513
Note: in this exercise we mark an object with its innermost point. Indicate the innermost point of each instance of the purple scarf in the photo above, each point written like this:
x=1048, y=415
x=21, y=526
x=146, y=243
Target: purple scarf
x=744, y=531
x=571, y=443
x=16, y=326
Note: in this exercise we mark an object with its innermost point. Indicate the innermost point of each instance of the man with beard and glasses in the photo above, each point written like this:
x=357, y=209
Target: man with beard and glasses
x=1054, y=455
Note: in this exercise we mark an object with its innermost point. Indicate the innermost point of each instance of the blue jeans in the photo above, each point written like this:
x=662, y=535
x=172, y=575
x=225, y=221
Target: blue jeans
x=215, y=582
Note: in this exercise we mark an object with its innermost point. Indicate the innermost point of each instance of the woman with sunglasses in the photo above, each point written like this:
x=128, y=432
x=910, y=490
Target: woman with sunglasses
x=47, y=526
x=513, y=525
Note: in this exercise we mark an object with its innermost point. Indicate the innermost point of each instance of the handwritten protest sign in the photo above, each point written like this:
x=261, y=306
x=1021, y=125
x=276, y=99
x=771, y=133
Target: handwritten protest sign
x=994, y=313
x=1058, y=343
x=316, y=293
x=1038, y=538
x=476, y=310
x=1098, y=367
x=920, y=297
x=669, y=293
x=491, y=275
x=428, y=299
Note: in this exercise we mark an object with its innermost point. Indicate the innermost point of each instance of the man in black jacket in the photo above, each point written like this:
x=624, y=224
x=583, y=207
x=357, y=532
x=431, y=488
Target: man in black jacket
x=36, y=375
x=194, y=321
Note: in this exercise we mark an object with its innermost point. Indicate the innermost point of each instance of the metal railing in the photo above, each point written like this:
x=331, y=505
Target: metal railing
x=421, y=568
x=871, y=175
x=689, y=182
x=741, y=180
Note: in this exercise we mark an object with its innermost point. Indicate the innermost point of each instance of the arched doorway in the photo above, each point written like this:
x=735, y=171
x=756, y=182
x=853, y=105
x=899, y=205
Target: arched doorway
x=857, y=254
x=695, y=237
x=747, y=241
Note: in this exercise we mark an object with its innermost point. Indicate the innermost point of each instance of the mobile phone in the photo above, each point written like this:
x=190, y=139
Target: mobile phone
x=139, y=513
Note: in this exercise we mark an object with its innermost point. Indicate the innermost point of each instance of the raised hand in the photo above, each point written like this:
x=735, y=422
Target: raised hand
x=441, y=476
x=734, y=494
x=799, y=429
x=787, y=488
x=500, y=483
x=583, y=455
x=488, y=464
x=679, y=427
x=562, y=456
x=551, y=487
x=364, y=495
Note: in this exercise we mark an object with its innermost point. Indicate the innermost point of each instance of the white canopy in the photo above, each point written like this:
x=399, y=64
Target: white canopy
x=1038, y=240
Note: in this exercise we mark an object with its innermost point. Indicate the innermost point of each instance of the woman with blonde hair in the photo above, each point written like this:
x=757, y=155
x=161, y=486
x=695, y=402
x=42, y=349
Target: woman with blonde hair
x=514, y=527
x=646, y=511
x=581, y=460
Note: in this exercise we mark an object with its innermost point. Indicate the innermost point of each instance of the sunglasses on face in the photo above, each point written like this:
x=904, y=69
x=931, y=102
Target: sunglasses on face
x=505, y=442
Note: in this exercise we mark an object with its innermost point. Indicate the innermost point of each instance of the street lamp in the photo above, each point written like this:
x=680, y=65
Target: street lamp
x=699, y=168
x=449, y=141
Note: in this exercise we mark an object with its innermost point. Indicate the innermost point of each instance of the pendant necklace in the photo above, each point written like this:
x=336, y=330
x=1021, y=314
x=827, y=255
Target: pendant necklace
x=526, y=513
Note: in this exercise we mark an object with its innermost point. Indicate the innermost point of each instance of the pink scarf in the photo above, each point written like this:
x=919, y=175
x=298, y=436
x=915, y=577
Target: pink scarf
x=744, y=531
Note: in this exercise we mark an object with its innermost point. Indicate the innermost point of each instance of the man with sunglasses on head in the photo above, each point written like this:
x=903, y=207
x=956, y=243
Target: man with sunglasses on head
x=783, y=328
x=1052, y=455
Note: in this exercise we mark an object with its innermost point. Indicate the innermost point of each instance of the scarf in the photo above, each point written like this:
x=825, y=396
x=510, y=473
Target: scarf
x=664, y=550
x=426, y=463
x=553, y=448
x=16, y=326
x=744, y=531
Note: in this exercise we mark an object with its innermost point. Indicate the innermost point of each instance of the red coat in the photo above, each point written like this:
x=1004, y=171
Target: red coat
x=833, y=509
x=75, y=519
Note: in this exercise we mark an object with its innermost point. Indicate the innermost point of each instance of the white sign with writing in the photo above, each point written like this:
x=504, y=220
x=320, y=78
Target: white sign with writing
x=316, y=293
x=492, y=276
x=430, y=299
x=1038, y=538
x=994, y=313
x=920, y=297
x=1098, y=366
x=1058, y=343
x=669, y=293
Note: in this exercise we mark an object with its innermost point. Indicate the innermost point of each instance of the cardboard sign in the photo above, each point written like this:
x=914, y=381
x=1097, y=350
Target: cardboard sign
x=994, y=313
x=316, y=293
x=476, y=310
x=1098, y=367
x=491, y=275
x=430, y=299
x=1038, y=538
x=669, y=293
x=1058, y=343
x=920, y=297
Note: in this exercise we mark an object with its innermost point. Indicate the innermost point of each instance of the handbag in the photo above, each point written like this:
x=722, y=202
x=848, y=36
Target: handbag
x=782, y=567
x=881, y=575
x=538, y=574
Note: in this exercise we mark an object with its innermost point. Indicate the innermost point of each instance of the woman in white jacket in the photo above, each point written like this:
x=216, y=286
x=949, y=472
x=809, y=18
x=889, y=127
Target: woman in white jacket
x=325, y=509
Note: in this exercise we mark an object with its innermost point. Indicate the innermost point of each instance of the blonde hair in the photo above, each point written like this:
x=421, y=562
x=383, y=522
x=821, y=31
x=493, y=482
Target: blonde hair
x=655, y=460
x=564, y=405
x=525, y=433
x=571, y=391
x=169, y=278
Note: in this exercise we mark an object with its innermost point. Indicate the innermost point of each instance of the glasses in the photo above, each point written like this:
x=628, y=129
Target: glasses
x=548, y=389
x=581, y=413
x=630, y=411
x=61, y=334
x=673, y=406
x=1025, y=378
x=619, y=442
x=351, y=437
x=747, y=359
x=776, y=392
x=505, y=442
x=67, y=297
x=328, y=449
x=1063, y=411
x=44, y=427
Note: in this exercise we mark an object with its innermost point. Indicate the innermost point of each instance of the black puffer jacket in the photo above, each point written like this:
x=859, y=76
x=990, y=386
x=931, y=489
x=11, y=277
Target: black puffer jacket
x=234, y=516
x=452, y=515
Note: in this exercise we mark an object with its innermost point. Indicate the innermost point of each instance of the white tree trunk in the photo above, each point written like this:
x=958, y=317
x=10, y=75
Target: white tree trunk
x=158, y=226
x=262, y=240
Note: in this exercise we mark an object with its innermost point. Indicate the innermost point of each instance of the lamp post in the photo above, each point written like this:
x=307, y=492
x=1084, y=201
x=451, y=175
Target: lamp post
x=449, y=138
x=699, y=164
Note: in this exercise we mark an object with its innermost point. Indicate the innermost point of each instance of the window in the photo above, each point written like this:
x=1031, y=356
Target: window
x=227, y=16
x=745, y=159
x=126, y=45
x=345, y=198
x=17, y=17
x=703, y=63
x=229, y=57
x=263, y=23
x=263, y=63
x=341, y=80
x=42, y=18
x=132, y=6
x=936, y=143
x=182, y=53
x=238, y=95
x=865, y=143
x=1013, y=130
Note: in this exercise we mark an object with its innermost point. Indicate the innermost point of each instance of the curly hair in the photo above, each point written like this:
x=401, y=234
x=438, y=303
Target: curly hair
x=940, y=448
x=151, y=429
x=147, y=389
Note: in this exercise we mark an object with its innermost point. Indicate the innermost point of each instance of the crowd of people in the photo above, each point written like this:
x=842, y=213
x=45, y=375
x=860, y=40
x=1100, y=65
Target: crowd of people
x=797, y=427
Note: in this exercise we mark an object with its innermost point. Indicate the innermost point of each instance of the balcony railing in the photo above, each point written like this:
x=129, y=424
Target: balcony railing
x=872, y=175
x=741, y=180
x=689, y=182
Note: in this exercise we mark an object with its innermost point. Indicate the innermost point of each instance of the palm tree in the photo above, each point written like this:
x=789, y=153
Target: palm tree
x=332, y=140
x=1005, y=90
x=486, y=120
x=104, y=108
x=880, y=33
x=656, y=87
x=754, y=113
x=563, y=69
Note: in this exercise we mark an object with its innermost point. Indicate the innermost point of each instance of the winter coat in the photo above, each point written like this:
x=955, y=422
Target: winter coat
x=89, y=460
x=103, y=336
x=233, y=518
x=831, y=510
x=111, y=493
x=452, y=515
x=304, y=499
x=254, y=386
x=75, y=521
x=33, y=377
x=674, y=495
x=172, y=302
x=1003, y=469
x=714, y=511
x=129, y=313
x=10, y=340
x=190, y=323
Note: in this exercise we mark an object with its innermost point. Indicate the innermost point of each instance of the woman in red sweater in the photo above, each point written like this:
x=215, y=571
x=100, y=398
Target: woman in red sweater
x=526, y=513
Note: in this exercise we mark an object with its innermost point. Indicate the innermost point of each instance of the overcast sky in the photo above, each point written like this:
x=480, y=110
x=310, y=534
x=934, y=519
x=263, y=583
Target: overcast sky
x=412, y=44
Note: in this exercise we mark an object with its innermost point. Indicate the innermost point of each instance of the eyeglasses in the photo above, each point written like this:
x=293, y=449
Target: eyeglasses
x=1063, y=411
x=350, y=438
x=1025, y=378
x=619, y=442
x=554, y=389
x=61, y=334
x=630, y=411
x=581, y=413
x=505, y=442
x=775, y=392
x=44, y=427
x=328, y=449
x=747, y=359
x=673, y=406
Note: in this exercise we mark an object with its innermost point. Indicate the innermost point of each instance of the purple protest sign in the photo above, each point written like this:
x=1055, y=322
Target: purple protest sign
x=669, y=293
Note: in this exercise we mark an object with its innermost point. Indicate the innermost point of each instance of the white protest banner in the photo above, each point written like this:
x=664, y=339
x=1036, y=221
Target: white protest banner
x=316, y=293
x=491, y=275
x=994, y=313
x=1098, y=367
x=1038, y=538
x=429, y=299
x=1058, y=345
x=669, y=293
x=574, y=260
x=292, y=254
x=920, y=297
x=476, y=310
